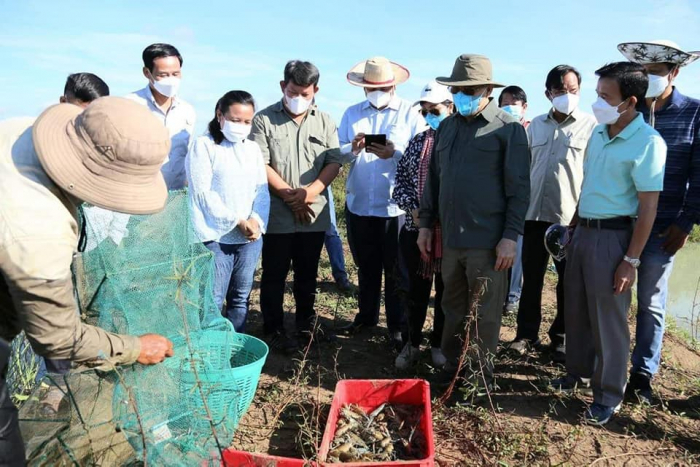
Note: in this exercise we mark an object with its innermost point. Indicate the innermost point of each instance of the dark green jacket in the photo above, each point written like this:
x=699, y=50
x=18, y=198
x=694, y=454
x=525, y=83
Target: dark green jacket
x=478, y=184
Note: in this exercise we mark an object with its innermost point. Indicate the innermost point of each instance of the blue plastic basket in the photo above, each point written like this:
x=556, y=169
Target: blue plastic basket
x=228, y=392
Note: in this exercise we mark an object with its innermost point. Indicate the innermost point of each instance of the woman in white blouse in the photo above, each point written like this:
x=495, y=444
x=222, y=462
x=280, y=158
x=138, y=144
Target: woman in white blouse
x=230, y=201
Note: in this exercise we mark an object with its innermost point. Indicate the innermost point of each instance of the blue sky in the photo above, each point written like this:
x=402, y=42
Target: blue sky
x=244, y=45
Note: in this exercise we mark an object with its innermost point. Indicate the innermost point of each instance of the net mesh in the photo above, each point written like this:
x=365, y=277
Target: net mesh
x=138, y=275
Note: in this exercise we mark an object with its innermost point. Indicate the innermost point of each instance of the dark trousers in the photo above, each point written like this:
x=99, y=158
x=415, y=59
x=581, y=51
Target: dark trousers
x=418, y=295
x=374, y=243
x=302, y=251
x=535, y=260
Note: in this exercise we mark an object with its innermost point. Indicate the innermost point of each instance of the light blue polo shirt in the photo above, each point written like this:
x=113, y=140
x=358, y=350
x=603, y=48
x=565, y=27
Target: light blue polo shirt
x=616, y=170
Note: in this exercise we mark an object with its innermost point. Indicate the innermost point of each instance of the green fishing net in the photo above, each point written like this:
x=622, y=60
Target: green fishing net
x=138, y=275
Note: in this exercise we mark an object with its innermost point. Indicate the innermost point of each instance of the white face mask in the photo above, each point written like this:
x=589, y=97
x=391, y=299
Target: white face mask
x=605, y=113
x=234, y=131
x=168, y=87
x=566, y=103
x=297, y=105
x=379, y=99
x=657, y=85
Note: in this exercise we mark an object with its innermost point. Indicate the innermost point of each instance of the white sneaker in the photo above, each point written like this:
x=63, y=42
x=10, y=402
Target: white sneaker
x=408, y=356
x=439, y=359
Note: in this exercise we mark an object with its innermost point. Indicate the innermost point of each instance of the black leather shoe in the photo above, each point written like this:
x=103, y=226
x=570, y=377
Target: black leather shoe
x=350, y=329
x=396, y=340
x=639, y=386
x=344, y=285
x=280, y=342
x=443, y=378
x=323, y=335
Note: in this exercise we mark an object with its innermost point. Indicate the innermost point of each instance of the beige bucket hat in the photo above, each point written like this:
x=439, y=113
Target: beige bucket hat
x=377, y=72
x=109, y=155
x=470, y=70
x=658, y=51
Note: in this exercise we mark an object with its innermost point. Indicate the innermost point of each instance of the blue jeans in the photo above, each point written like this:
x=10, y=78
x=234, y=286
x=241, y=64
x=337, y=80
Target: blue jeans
x=234, y=269
x=652, y=291
x=334, y=244
x=516, y=274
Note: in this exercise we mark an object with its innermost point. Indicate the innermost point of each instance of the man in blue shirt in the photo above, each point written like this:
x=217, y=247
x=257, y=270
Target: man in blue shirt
x=622, y=176
x=677, y=119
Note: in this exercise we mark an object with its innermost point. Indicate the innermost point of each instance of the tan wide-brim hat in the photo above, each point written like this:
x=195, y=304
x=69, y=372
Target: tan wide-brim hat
x=659, y=51
x=377, y=72
x=109, y=155
x=470, y=70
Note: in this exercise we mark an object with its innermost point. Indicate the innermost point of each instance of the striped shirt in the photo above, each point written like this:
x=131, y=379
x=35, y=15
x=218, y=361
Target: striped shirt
x=679, y=125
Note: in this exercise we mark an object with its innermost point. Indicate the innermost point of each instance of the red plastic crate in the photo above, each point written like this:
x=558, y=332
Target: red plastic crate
x=233, y=458
x=370, y=394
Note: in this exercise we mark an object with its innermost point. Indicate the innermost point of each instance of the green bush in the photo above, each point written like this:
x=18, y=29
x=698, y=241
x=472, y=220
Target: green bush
x=338, y=187
x=694, y=234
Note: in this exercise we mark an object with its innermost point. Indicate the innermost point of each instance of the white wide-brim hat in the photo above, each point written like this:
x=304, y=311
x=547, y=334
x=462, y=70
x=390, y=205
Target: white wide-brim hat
x=659, y=51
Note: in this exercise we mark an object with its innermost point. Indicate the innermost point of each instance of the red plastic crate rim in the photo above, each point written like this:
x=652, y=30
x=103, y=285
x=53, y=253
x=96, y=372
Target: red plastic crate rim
x=370, y=394
x=233, y=458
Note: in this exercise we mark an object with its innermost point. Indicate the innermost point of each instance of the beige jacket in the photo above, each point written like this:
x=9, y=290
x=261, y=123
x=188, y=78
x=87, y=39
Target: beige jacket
x=556, y=169
x=38, y=238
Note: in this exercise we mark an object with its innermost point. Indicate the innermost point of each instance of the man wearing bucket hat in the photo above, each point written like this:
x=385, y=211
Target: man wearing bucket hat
x=478, y=188
x=108, y=155
x=373, y=218
x=677, y=119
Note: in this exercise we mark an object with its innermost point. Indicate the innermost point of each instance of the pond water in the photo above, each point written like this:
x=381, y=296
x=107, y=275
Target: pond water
x=683, y=304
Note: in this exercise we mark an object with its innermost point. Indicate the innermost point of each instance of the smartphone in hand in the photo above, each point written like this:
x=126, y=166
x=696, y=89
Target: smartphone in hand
x=375, y=139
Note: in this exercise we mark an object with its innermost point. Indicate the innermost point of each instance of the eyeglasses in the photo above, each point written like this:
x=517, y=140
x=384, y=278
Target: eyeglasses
x=561, y=92
x=433, y=111
x=469, y=91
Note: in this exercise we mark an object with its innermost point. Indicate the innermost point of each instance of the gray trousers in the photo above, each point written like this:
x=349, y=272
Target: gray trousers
x=463, y=273
x=11, y=445
x=597, y=334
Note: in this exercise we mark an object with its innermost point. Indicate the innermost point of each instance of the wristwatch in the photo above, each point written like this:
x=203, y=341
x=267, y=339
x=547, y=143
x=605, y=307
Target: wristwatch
x=635, y=262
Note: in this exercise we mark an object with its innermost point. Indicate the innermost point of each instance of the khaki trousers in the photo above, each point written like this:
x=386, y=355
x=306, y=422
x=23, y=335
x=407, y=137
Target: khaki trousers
x=470, y=278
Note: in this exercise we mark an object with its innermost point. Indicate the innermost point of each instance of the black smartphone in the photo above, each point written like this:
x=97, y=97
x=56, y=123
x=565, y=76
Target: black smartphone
x=375, y=139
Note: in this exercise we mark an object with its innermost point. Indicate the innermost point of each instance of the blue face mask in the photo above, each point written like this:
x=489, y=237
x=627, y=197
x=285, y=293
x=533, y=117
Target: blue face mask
x=466, y=105
x=434, y=120
x=515, y=110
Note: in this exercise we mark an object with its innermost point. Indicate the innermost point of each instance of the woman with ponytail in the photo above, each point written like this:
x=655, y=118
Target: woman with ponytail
x=230, y=201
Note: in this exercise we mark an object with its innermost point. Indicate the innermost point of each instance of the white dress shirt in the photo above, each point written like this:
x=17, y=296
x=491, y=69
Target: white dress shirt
x=179, y=120
x=227, y=183
x=371, y=180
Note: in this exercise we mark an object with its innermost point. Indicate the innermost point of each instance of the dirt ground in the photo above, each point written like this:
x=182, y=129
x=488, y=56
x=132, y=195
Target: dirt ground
x=523, y=424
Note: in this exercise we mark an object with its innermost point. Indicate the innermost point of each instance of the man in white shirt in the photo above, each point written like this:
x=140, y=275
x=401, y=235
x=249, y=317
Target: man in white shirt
x=373, y=218
x=162, y=67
